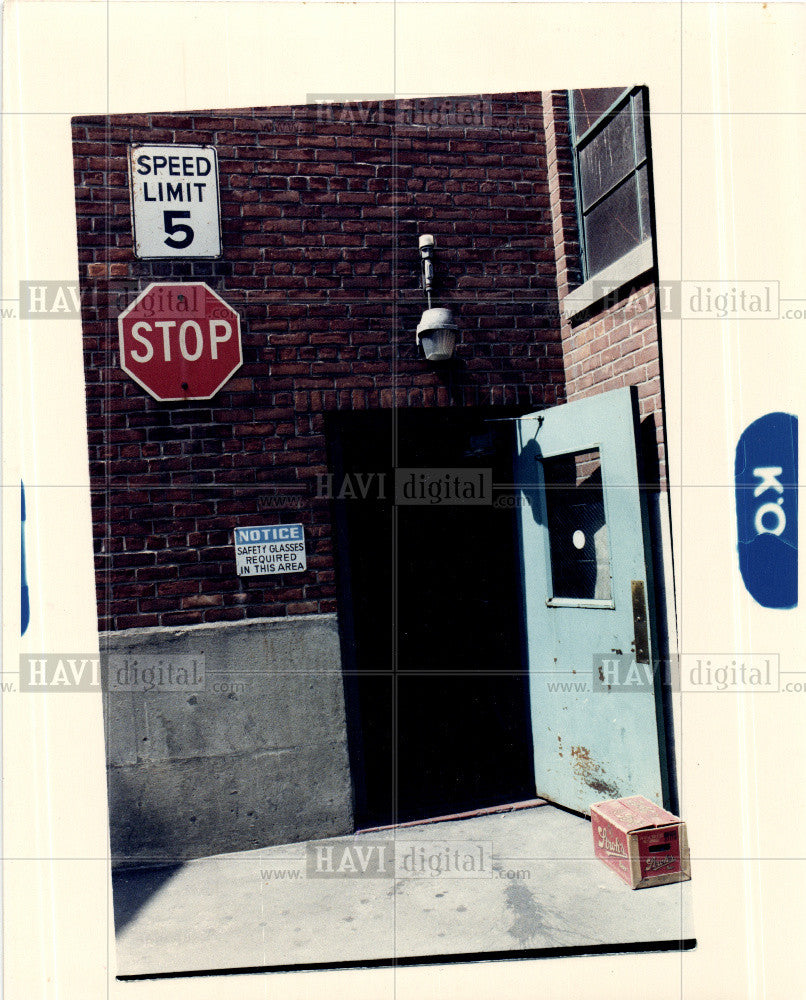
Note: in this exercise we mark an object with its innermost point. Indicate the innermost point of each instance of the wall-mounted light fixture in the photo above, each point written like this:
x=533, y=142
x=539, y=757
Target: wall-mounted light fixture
x=436, y=331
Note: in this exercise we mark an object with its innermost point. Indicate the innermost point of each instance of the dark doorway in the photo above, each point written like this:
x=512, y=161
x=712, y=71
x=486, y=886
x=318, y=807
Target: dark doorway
x=430, y=618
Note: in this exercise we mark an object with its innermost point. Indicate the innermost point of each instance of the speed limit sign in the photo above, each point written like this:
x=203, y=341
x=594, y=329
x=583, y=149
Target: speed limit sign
x=174, y=198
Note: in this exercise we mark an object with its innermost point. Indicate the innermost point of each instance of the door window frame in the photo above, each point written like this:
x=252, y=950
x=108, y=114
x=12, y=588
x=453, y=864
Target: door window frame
x=608, y=604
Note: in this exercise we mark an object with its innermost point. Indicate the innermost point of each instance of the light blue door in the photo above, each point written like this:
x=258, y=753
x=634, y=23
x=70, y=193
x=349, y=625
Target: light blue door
x=591, y=645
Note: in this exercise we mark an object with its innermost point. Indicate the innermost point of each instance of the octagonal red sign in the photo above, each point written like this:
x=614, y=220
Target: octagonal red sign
x=180, y=341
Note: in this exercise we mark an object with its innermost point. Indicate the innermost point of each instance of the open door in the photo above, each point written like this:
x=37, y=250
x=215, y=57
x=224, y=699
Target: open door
x=595, y=698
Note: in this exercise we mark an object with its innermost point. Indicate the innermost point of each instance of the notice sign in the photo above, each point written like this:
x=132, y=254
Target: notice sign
x=275, y=548
x=174, y=198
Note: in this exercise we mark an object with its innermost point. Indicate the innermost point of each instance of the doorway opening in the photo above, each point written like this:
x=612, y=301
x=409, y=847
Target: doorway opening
x=429, y=616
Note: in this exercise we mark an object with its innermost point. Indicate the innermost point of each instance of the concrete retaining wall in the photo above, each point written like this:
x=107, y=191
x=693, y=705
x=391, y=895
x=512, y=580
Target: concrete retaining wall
x=258, y=757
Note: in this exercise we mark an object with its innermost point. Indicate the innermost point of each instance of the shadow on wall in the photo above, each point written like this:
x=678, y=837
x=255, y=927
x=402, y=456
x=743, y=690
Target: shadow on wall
x=650, y=460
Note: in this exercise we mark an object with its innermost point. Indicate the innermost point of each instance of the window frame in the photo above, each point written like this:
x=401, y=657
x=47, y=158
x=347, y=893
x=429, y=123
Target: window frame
x=625, y=99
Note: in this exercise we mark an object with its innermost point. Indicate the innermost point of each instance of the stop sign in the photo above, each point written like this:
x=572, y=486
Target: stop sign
x=180, y=341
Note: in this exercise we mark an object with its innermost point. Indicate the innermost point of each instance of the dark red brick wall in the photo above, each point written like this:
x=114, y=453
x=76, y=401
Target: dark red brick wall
x=616, y=348
x=321, y=212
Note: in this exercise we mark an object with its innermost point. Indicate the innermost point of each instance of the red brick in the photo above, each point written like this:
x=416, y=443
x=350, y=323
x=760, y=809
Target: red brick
x=328, y=303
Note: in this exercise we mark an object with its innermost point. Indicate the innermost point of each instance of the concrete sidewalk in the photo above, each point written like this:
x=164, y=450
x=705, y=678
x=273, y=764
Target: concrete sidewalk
x=261, y=909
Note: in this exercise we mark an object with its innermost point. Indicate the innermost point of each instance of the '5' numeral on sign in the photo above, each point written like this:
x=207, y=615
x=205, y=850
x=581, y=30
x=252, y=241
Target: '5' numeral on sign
x=173, y=227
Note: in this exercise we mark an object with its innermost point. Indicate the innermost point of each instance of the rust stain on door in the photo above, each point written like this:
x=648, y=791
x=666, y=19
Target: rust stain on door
x=591, y=773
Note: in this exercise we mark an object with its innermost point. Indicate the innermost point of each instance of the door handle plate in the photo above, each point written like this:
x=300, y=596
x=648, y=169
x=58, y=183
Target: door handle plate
x=639, y=618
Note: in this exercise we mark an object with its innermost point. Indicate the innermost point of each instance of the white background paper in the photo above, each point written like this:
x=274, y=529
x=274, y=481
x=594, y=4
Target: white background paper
x=727, y=86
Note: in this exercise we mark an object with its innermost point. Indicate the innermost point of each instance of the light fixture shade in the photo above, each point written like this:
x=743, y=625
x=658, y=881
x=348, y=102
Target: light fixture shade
x=436, y=332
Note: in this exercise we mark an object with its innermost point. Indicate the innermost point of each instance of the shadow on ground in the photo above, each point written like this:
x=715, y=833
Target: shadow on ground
x=133, y=887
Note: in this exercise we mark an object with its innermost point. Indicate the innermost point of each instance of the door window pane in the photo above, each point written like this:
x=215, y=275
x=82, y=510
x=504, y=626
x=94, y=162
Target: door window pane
x=578, y=544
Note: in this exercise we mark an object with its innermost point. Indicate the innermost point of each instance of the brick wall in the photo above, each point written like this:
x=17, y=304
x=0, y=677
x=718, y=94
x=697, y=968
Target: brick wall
x=617, y=344
x=321, y=211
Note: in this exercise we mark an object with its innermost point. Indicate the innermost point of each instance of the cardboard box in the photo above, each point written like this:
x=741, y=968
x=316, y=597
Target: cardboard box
x=642, y=843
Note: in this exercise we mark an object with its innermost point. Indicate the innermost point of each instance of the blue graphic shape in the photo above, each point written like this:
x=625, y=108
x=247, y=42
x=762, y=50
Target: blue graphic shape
x=766, y=474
